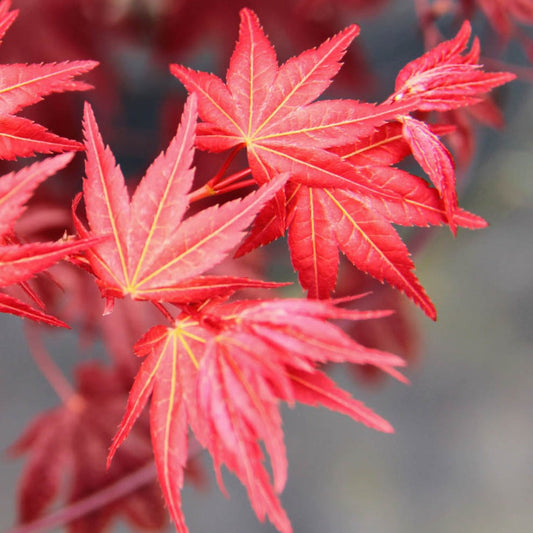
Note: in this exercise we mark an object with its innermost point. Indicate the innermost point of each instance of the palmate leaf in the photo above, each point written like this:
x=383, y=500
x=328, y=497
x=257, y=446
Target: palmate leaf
x=358, y=222
x=152, y=253
x=343, y=191
x=23, y=85
x=444, y=78
x=270, y=109
x=20, y=262
x=70, y=443
x=223, y=370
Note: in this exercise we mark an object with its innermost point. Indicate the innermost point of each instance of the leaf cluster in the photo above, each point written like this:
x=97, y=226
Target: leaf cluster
x=217, y=365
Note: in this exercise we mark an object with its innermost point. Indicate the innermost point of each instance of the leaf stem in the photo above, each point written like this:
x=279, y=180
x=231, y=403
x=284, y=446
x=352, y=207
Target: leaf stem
x=237, y=186
x=227, y=184
x=218, y=176
x=221, y=185
x=48, y=366
x=164, y=311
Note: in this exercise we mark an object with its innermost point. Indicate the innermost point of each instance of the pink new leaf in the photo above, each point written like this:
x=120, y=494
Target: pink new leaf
x=223, y=369
x=444, y=78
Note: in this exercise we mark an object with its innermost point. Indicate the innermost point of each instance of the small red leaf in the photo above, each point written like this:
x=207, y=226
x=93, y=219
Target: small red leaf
x=20, y=137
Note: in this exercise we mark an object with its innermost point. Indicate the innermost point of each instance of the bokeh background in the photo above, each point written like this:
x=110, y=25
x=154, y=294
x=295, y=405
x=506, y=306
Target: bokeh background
x=461, y=459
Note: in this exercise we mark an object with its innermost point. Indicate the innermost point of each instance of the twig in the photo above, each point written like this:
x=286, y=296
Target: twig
x=65, y=515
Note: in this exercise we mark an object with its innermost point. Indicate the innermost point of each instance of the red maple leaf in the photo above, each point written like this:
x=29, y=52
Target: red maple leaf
x=223, y=369
x=20, y=262
x=358, y=222
x=152, y=253
x=271, y=110
x=71, y=442
x=444, y=78
x=22, y=85
x=334, y=201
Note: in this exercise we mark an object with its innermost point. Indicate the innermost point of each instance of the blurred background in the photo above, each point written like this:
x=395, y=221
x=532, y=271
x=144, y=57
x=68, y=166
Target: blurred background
x=461, y=459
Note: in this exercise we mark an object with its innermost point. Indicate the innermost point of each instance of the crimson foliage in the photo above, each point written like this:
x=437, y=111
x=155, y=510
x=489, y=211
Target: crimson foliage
x=217, y=363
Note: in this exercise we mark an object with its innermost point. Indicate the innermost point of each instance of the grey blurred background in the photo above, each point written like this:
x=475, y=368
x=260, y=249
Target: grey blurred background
x=461, y=459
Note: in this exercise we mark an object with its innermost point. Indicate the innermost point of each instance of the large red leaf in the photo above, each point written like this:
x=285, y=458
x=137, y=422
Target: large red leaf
x=270, y=110
x=152, y=253
x=223, y=369
x=340, y=154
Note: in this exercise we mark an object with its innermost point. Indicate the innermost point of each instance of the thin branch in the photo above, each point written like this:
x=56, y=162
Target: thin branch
x=163, y=310
x=48, y=366
x=121, y=488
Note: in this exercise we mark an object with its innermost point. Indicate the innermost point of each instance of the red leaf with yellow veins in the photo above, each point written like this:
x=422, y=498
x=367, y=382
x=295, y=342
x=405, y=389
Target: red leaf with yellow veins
x=20, y=262
x=223, y=369
x=13, y=306
x=17, y=187
x=152, y=253
x=271, y=109
x=23, y=85
x=339, y=153
x=333, y=219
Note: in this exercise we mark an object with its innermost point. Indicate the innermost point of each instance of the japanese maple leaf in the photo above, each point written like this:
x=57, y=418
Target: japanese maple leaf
x=446, y=77
x=22, y=85
x=223, y=369
x=358, y=222
x=20, y=262
x=152, y=253
x=71, y=442
x=331, y=202
x=270, y=110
